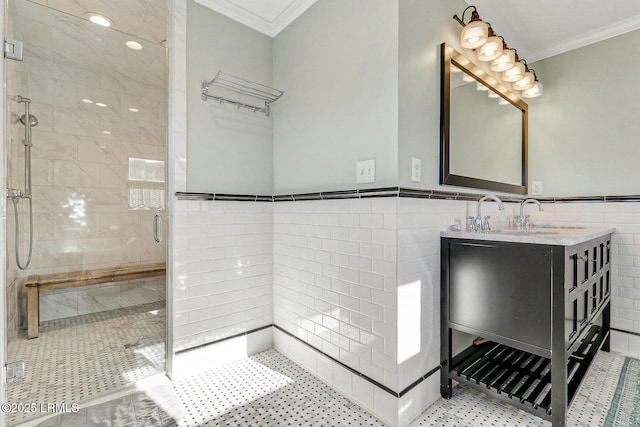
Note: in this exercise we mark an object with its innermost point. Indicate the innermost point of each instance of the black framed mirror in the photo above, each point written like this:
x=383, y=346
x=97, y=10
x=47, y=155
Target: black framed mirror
x=483, y=128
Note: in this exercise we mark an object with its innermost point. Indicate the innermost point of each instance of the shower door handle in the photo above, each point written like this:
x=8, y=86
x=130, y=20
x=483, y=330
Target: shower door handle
x=157, y=228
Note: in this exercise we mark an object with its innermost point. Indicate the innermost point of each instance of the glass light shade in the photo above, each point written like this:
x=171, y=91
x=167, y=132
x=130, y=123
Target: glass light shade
x=481, y=87
x=467, y=78
x=505, y=61
x=474, y=34
x=514, y=73
x=490, y=50
x=534, y=91
x=526, y=82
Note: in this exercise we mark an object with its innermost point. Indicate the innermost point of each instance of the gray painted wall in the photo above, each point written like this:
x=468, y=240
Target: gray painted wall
x=362, y=80
x=423, y=27
x=338, y=65
x=229, y=150
x=584, y=130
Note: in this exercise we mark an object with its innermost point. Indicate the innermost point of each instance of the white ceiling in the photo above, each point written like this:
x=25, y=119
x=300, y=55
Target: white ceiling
x=536, y=28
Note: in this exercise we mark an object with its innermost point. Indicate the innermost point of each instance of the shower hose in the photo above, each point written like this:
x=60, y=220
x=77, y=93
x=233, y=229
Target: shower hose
x=17, y=236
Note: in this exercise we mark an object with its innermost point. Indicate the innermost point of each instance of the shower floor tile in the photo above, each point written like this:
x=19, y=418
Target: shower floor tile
x=268, y=389
x=77, y=359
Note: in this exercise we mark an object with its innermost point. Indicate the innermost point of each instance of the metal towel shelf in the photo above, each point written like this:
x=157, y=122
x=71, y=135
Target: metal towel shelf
x=228, y=83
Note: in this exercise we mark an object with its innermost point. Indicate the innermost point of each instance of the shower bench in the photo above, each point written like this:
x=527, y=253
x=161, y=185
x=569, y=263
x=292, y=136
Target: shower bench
x=53, y=282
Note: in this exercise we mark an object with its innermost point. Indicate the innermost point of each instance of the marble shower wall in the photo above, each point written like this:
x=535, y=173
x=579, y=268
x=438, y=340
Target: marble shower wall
x=100, y=106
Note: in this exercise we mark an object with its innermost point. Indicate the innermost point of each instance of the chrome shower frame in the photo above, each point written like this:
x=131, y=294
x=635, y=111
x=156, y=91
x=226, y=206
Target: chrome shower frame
x=16, y=194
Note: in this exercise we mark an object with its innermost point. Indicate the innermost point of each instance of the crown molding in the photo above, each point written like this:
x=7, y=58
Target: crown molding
x=290, y=14
x=597, y=35
x=258, y=23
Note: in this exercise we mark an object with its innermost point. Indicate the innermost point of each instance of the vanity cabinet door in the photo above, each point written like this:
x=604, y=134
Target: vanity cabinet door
x=502, y=289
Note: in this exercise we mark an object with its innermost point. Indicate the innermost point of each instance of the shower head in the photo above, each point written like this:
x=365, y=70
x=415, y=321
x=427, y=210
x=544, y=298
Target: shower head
x=33, y=120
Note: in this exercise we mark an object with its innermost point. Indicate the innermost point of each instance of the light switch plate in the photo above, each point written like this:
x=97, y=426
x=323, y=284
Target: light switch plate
x=536, y=188
x=415, y=169
x=366, y=171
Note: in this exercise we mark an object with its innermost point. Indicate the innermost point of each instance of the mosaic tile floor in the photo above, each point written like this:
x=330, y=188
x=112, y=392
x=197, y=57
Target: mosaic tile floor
x=76, y=359
x=270, y=390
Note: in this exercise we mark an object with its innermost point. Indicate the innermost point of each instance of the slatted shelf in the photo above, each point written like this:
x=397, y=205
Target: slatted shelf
x=523, y=377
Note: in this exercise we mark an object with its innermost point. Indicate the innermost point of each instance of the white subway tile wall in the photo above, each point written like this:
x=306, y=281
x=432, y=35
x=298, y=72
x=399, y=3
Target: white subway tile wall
x=223, y=264
x=335, y=280
x=419, y=225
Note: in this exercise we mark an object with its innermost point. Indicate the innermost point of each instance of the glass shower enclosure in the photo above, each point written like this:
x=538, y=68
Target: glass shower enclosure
x=91, y=181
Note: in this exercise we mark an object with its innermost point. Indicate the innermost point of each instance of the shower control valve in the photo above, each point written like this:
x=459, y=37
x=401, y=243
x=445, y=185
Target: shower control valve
x=13, y=193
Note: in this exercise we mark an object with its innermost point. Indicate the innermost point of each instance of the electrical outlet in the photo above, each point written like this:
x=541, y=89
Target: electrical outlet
x=366, y=171
x=415, y=169
x=536, y=188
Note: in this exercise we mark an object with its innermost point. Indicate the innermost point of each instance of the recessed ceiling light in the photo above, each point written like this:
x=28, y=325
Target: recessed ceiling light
x=134, y=110
x=100, y=104
x=98, y=19
x=106, y=132
x=133, y=45
x=87, y=101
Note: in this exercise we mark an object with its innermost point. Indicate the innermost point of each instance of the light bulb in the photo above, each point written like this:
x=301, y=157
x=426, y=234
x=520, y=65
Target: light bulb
x=526, y=82
x=534, y=92
x=514, y=73
x=467, y=78
x=505, y=61
x=101, y=20
x=490, y=50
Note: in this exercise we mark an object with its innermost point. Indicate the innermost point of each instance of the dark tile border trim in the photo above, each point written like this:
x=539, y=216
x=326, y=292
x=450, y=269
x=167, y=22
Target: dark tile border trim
x=412, y=193
x=353, y=371
x=360, y=374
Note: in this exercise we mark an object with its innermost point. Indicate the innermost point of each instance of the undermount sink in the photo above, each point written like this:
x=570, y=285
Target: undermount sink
x=562, y=227
x=523, y=232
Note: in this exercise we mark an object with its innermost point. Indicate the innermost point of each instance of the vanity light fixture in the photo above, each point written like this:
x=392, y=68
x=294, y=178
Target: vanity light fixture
x=535, y=90
x=476, y=32
x=506, y=59
x=479, y=36
x=467, y=78
x=492, y=48
x=514, y=73
x=525, y=83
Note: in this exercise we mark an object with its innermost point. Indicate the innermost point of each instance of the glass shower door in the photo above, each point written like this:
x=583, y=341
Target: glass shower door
x=98, y=192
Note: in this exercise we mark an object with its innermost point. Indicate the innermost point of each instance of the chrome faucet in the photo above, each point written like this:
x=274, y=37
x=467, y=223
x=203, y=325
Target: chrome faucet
x=522, y=221
x=482, y=224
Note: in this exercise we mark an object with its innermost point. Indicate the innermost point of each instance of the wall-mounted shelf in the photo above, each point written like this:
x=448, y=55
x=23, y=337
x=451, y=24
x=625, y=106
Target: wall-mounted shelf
x=230, y=85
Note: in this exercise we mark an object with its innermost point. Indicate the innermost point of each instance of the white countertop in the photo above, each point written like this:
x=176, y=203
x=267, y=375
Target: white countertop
x=548, y=235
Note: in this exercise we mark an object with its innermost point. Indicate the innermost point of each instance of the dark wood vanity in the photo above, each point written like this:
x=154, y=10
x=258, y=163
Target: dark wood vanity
x=541, y=302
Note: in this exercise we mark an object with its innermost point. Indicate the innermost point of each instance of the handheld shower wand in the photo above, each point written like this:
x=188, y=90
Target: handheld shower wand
x=15, y=194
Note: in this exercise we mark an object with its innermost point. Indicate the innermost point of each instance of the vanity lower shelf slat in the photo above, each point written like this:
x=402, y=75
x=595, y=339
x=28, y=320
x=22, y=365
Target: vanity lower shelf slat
x=523, y=379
